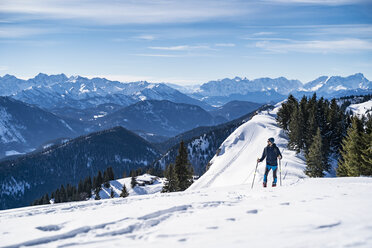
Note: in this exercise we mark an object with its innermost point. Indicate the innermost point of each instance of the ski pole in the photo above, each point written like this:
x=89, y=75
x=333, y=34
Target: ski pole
x=280, y=168
x=254, y=174
x=280, y=171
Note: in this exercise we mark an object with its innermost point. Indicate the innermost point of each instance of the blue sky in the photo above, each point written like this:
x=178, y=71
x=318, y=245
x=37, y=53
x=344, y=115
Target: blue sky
x=188, y=41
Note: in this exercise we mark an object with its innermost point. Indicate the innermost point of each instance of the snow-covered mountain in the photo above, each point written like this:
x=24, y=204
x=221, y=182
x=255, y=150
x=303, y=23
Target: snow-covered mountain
x=57, y=91
x=24, y=127
x=237, y=156
x=337, y=86
x=266, y=90
x=31, y=176
x=361, y=109
x=218, y=210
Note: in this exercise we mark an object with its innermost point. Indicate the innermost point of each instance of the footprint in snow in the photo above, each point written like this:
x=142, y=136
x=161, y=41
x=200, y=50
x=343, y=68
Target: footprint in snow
x=212, y=227
x=182, y=240
x=285, y=203
x=231, y=219
x=253, y=211
x=49, y=228
x=329, y=225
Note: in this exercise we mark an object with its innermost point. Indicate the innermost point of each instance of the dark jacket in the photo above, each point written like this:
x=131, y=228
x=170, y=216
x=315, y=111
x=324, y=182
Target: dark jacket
x=271, y=154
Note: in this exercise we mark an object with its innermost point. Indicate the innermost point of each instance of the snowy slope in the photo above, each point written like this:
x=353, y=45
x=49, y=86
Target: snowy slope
x=237, y=157
x=314, y=213
x=361, y=108
x=151, y=185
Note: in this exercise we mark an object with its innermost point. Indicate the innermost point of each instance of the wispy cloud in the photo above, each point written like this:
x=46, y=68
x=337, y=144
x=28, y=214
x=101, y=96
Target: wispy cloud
x=160, y=55
x=145, y=37
x=4, y=68
x=316, y=46
x=318, y=2
x=181, y=48
x=18, y=32
x=124, y=12
x=263, y=33
x=225, y=45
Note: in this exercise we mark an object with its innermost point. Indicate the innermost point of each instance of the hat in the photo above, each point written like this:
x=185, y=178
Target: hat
x=271, y=140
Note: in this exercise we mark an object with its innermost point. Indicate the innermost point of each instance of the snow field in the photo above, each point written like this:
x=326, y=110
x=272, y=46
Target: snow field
x=327, y=212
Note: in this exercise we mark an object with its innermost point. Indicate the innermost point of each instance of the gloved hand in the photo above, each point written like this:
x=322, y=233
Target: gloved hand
x=258, y=160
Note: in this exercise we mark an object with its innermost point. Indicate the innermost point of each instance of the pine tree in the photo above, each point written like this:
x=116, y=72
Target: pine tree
x=351, y=159
x=112, y=193
x=314, y=158
x=183, y=168
x=96, y=192
x=99, y=180
x=284, y=113
x=62, y=192
x=295, y=130
x=124, y=192
x=45, y=199
x=110, y=173
x=366, y=152
x=133, y=181
x=172, y=183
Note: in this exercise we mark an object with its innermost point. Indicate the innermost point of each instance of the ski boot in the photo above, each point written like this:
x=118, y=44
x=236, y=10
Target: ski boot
x=264, y=184
x=274, y=185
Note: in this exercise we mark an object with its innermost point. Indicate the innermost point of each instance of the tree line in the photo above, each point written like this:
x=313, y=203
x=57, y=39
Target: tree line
x=84, y=190
x=321, y=128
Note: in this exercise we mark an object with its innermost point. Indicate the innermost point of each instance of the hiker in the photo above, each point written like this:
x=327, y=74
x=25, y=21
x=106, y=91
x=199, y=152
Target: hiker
x=271, y=153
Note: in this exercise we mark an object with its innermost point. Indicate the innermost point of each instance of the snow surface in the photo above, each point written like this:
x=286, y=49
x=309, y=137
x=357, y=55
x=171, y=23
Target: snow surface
x=151, y=185
x=312, y=213
x=219, y=210
x=361, y=108
x=238, y=155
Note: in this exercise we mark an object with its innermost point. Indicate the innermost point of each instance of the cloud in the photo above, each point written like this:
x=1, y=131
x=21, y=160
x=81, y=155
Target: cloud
x=123, y=12
x=18, y=32
x=225, y=45
x=4, y=68
x=263, y=33
x=159, y=55
x=317, y=46
x=319, y=2
x=181, y=48
x=145, y=37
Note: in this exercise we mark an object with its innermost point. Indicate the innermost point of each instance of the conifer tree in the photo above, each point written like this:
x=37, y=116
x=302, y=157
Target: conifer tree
x=62, y=192
x=99, y=180
x=314, y=158
x=45, y=199
x=96, y=192
x=295, y=130
x=124, y=192
x=366, y=154
x=133, y=181
x=172, y=183
x=110, y=172
x=284, y=113
x=351, y=159
x=183, y=168
x=112, y=193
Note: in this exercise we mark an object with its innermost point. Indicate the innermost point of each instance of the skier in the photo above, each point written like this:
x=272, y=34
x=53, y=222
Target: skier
x=272, y=153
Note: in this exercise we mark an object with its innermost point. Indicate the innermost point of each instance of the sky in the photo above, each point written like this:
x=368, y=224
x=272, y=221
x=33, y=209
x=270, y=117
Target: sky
x=186, y=41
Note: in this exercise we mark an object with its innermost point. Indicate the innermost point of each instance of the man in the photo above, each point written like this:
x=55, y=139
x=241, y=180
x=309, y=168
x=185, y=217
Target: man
x=271, y=153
